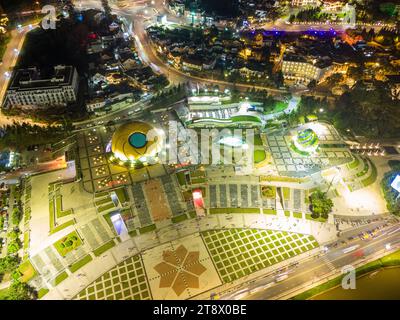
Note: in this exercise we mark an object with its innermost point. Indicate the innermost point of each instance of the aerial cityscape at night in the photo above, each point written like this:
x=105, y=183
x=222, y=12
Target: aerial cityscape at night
x=199, y=150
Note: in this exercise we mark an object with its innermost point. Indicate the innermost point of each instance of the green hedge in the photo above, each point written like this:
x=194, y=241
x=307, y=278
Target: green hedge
x=146, y=229
x=100, y=250
x=179, y=218
x=60, y=278
x=79, y=264
x=372, y=178
x=233, y=210
x=42, y=292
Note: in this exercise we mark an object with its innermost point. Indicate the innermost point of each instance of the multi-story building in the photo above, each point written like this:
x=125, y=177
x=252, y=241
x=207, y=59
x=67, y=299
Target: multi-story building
x=327, y=5
x=305, y=3
x=300, y=70
x=191, y=64
x=29, y=88
x=332, y=5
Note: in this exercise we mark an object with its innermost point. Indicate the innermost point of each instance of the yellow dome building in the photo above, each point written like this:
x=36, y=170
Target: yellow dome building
x=136, y=141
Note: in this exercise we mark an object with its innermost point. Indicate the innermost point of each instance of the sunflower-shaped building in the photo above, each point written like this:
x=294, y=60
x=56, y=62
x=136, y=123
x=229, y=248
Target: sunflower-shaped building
x=136, y=142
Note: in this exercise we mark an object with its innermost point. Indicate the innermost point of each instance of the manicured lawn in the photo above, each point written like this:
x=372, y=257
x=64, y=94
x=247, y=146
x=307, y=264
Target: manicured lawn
x=51, y=213
x=26, y=240
x=68, y=243
x=198, y=180
x=372, y=178
x=286, y=193
x=269, y=211
x=320, y=219
x=181, y=178
x=179, y=218
x=132, y=233
x=106, y=207
x=100, y=250
x=60, y=278
x=27, y=270
x=62, y=226
x=131, y=282
x=257, y=140
x=60, y=212
x=365, y=169
x=146, y=229
x=259, y=156
x=27, y=214
x=277, y=107
x=285, y=179
x=79, y=264
x=107, y=217
x=297, y=215
x=234, y=210
x=237, y=252
x=192, y=214
x=268, y=191
x=103, y=201
x=197, y=174
x=42, y=292
x=121, y=194
x=100, y=194
x=354, y=164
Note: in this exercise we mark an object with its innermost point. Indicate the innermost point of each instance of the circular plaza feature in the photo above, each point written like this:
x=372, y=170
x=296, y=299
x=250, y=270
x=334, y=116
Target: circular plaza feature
x=306, y=141
x=135, y=141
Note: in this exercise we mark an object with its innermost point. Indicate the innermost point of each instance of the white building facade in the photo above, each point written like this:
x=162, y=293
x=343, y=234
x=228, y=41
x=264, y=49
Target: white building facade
x=28, y=89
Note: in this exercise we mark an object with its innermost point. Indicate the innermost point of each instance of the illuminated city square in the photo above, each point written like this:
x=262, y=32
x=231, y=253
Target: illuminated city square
x=199, y=150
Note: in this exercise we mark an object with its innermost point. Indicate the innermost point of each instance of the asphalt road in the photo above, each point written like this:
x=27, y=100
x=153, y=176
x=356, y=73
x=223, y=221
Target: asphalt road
x=9, y=60
x=143, y=15
x=317, y=268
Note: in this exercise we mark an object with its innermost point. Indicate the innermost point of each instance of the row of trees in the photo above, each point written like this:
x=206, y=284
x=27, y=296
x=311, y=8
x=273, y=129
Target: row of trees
x=311, y=14
x=20, y=135
x=18, y=290
x=372, y=113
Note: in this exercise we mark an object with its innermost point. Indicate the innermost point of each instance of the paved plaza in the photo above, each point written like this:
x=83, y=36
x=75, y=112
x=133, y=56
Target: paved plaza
x=97, y=172
x=180, y=269
x=157, y=200
x=126, y=281
x=332, y=151
x=233, y=195
x=239, y=252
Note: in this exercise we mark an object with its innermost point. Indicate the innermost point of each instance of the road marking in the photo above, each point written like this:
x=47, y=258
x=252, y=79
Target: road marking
x=340, y=257
x=329, y=263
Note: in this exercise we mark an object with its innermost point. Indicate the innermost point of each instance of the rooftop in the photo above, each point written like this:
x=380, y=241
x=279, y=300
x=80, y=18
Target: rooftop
x=32, y=78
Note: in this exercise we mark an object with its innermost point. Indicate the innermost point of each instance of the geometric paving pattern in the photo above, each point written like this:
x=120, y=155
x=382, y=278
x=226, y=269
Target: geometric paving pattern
x=332, y=151
x=239, y=252
x=180, y=269
x=126, y=281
